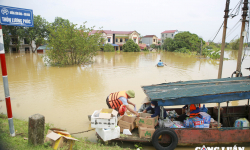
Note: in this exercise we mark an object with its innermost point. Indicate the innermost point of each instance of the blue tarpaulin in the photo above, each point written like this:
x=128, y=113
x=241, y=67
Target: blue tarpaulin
x=112, y=44
x=199, y=91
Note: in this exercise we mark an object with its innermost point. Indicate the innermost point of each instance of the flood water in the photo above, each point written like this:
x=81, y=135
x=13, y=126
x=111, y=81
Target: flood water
x=66, y=95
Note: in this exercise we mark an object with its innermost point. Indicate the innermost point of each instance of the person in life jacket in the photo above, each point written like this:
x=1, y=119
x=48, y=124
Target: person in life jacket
x=120, y=99
x=192, y=110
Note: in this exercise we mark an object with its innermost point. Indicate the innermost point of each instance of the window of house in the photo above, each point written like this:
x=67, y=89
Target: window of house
x=134, y=40
x=14, y=40
x=121, y=40
x=116, y=40
x=172, y=35
x=121, y=48
x=108, y=39
x=126, y=40
x=162, y=41
x=154, y=40
x=26, y=41
x=162, y=35
x=166, y=35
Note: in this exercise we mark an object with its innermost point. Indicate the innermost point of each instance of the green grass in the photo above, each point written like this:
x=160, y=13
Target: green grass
x=19, y=142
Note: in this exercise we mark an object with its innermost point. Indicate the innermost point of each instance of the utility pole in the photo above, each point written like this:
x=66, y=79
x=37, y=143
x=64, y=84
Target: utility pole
x=223, y=39
x=244, y=15
x=201, y=48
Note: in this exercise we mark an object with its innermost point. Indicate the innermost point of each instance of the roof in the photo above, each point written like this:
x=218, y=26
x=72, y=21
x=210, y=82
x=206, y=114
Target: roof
x=142, y=46
x=149, y=35
x=170, y=31
x=43, y=47
x=112, y=32
x=199, y=91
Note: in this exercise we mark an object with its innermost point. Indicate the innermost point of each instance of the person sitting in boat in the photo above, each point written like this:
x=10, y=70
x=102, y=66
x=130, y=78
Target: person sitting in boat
x=145, y=104
x=160, y=63
x=120, y=100
x=192, y=110
x=155, y=110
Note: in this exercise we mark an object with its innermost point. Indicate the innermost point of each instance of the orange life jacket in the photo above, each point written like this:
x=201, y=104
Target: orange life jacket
x=192, y=107
x=114, y=101
x=122, y=110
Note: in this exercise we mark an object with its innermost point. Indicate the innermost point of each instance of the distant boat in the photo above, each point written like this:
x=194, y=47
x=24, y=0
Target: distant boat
x=160, y=65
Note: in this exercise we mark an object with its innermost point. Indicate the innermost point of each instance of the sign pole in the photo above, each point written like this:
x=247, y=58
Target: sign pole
x=6, y=84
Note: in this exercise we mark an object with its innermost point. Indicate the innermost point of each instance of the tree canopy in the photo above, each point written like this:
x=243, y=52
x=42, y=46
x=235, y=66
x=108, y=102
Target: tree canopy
x=70, y=45
x=108, y=48
x=184, y=40
x=131, y=46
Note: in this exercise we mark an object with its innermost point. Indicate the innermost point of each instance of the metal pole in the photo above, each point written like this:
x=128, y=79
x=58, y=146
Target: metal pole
x=218, y=114
x=201, y=47
x=244, y=15
x=6, y=84
x=223, y=39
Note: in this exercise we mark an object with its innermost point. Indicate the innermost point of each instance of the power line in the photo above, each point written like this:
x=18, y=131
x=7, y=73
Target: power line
x=232, y=30
x=218, y=31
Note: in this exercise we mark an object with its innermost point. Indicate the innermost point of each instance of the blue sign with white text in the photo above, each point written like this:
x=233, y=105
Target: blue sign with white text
x=14, y=16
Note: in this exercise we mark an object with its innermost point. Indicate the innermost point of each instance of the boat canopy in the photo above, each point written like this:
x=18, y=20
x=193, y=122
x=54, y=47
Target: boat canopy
x=199, y=91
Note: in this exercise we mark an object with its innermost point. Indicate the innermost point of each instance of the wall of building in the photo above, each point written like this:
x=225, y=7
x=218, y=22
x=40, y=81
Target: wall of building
x=147, y=40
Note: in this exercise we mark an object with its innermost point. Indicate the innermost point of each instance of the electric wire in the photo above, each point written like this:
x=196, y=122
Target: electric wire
x=237, y=10
x=218, y=31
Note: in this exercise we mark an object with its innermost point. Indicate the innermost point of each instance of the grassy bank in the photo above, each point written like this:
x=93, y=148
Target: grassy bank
x=20, y=141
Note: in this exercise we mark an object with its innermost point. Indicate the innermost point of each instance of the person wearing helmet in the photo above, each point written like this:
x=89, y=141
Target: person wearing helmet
x=120, y=99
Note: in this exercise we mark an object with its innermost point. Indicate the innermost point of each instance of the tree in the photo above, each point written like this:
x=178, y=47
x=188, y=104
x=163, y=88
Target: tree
x=185, y=40
x=12, y=34
x=108, y=48
x=131, y=46
x=70, y=45
x=38, y=33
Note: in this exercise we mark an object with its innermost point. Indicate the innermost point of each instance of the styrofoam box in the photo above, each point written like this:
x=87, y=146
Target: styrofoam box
x=206, y=125
x=108, y=134
x=97, y=122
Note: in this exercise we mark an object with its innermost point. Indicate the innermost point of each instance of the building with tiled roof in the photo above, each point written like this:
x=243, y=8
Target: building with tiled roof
x=118, y=37
x=168, y=34
x=150, y=39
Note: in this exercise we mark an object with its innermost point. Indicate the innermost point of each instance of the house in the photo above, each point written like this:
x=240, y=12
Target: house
x=159, y=40
x=24, y=45
x=42, y=49
x=142, y=46
x=168, y=34
x=118, y=38
x=150, y=39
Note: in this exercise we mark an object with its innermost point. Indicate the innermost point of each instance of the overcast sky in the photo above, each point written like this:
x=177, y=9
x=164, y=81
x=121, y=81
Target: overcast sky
x=148, y=17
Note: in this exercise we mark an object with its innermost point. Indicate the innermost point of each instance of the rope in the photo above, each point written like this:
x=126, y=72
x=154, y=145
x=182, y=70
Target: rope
x=83, y=131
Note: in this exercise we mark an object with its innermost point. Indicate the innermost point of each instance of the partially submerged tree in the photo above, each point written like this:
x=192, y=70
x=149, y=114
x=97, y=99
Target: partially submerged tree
x=131, y=46
x=108, y=48
x=70, y=45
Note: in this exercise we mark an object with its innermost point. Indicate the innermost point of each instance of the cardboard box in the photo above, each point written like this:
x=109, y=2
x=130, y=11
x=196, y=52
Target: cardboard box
x=146, y=122
x=206, y=117
x=130, y=114
x=126, y=122
x=60, y=138
x=206, y=125
x=108, y=134
x=104, y=118
x=145, y=132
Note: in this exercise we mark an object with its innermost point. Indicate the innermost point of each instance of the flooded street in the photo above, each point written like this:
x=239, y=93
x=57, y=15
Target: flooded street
x=66, y=95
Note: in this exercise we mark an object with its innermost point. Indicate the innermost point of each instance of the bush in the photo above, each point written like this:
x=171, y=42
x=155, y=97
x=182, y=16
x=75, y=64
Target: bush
x=214, y=54
x=108, y=48
x=131, y=46
x=145, y=49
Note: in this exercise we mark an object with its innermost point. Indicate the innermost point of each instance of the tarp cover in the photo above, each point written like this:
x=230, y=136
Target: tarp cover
x=199, y=91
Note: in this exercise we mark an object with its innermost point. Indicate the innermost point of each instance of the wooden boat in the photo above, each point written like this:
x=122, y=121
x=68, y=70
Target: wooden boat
x=160, y=65
x=195, y=92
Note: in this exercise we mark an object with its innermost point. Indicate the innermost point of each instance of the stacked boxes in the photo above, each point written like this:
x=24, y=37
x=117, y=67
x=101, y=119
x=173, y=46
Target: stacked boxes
x=206, y=117
x=105, y=122
x=126, y=122
x=146, y=126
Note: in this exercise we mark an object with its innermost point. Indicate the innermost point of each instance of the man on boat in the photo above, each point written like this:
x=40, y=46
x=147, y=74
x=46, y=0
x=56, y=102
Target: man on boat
x=192, y=110
x=155, y=110
x=160, y=63
x=120, y=100
x=145, y=104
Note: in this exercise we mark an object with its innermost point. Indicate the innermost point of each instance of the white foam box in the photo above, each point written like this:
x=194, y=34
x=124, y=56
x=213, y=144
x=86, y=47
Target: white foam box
x=108, y=134
x=206, y=125
x=104, y=118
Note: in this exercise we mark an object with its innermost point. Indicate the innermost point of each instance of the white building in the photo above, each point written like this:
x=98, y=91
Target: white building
x=168, y=34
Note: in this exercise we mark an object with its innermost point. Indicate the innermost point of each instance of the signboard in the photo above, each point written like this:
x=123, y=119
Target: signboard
x=14, y=16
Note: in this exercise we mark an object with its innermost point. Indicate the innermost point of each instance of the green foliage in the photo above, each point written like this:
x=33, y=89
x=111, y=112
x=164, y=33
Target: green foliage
x=234, y=44
x=183, y=39
x=183, y=50
x=214, y=54
x=108, y=48
x=131, y=46
x=153, y=46
x=145, y=49
x=138, y=146
x=70, y=45
x=9, y=32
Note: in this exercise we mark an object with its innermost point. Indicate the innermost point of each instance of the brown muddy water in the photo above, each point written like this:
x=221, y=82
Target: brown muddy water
x=66, y=95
